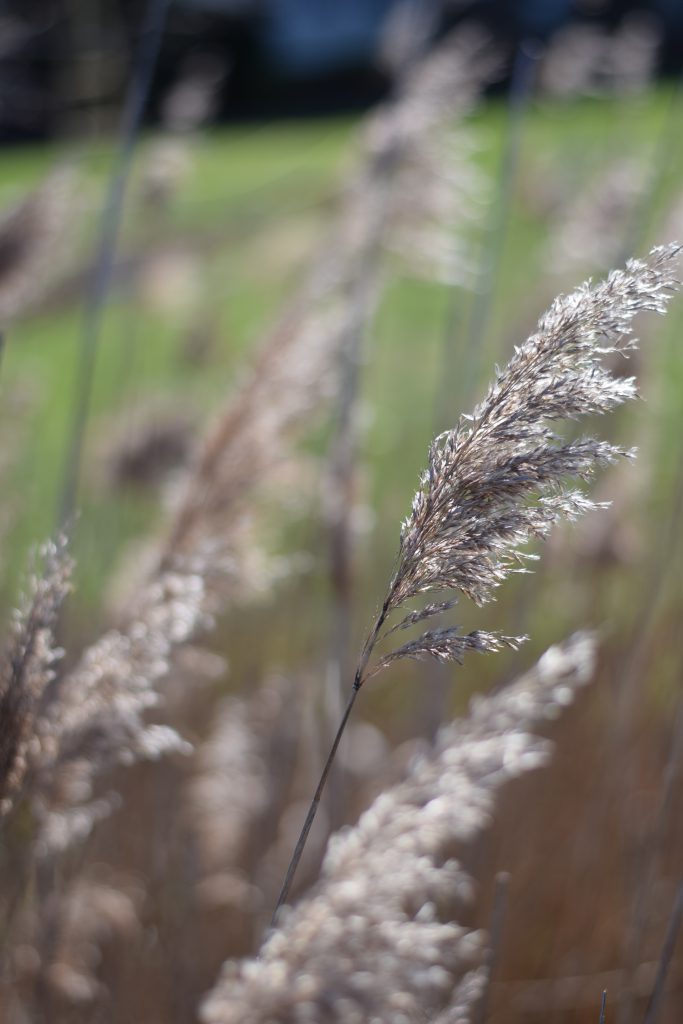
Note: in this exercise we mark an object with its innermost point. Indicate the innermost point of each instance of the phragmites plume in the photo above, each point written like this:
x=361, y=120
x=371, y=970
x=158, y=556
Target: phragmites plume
x=583, y=58
x=500, y=478
x=236, y=798
x=28, y=664
x=249, y=438
x=594, y=227
x=436, y=192
x=97, y=718
x=63, y=939
x=379, y=938
x=30, y=234
x=146, y=446
x=399, y=197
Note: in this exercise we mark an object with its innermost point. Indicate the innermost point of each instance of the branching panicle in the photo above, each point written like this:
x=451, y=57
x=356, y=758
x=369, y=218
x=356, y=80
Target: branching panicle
x=499, y=478
x=97, y=719
x=28, y=664
x=377, y=939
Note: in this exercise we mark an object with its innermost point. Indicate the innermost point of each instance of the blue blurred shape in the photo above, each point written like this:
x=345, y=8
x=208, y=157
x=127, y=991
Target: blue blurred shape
x=307, y=36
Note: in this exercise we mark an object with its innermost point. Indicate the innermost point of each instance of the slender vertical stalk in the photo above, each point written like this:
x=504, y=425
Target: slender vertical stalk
x=496, y=936
x=647, y=861
x=458, y=369
x=315, y=802
x=655, y=1003
x=362, y=294
x=363, y=290
x=136, y=101
x=603, y=1006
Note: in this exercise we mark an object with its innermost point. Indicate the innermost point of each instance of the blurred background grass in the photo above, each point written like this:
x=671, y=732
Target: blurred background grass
x=246, y=210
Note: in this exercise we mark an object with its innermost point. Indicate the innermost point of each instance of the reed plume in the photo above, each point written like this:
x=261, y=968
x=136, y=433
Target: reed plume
x=288, y=381
x=434, y=193
x=64, y=938
x=593, y=228
x=377, y=940
x=499, y=478
x=30, y=234
x=585, y=59
x=236, y=798
x=98, y=720
x=97, y=717
x=146, y=446
x=297, y=366
x=28, y=665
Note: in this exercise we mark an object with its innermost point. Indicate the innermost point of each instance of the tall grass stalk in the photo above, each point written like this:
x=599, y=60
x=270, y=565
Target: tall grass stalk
x=98, y=288
x=498, y=914
x=644, y=870
x=603, y=1007
x=499, y=478
x=431, y=95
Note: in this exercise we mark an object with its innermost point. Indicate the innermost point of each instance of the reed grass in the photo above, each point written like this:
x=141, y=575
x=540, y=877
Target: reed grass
x=388, y=930
x=377, y=940
x=498, y=479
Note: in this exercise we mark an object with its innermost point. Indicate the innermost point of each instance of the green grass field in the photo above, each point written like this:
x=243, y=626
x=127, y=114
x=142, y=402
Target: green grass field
x=246, y=212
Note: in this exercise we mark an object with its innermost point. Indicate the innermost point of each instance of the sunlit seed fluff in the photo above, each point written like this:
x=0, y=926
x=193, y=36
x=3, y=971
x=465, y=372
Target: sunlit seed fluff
x=237, y=791
x=97, y=717
x=434, y=192
x=583, y=58
x=82, y=916
x=28, y=665
x=593, y=227
x=375, y=938
x=501, y=476
x=32, y=236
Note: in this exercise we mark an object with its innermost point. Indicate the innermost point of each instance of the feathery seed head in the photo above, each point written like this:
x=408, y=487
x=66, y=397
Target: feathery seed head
x=28, y=665
x=499, y=478
x=376, y=940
